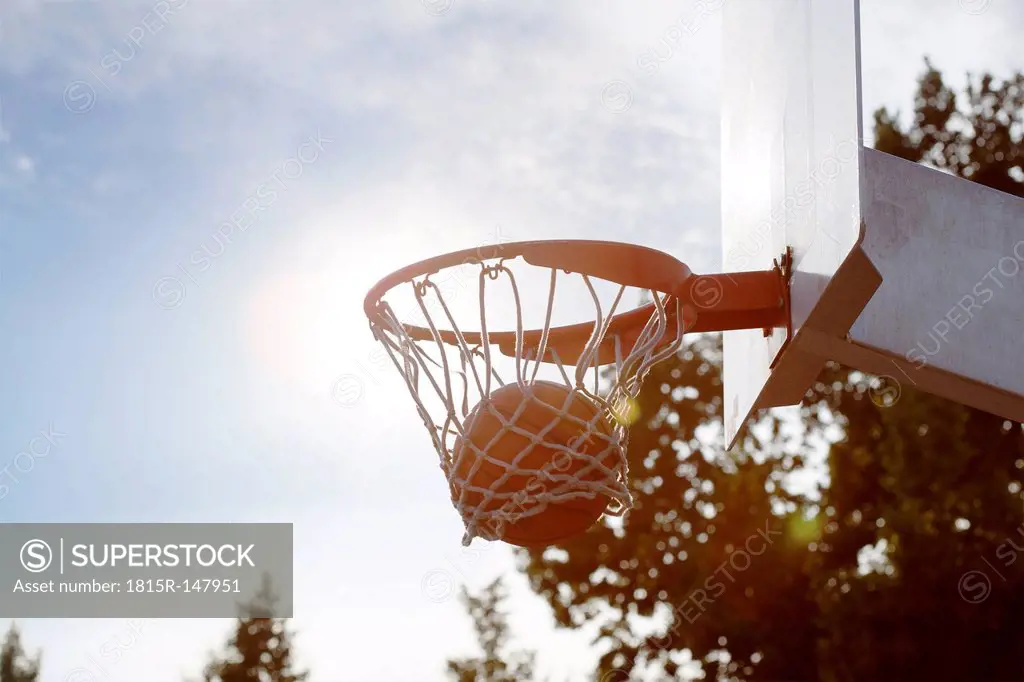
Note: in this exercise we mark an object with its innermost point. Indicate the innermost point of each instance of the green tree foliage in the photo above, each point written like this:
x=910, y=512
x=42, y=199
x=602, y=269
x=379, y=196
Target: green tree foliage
x=15, y=665
x=498, y=663
x=260, y=649
x=758, y=583
x=977, y=136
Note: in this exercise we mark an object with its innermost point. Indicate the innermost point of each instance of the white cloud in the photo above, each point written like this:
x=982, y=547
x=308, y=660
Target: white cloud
x=25, y=166
x=5, y=135
x=501, y=107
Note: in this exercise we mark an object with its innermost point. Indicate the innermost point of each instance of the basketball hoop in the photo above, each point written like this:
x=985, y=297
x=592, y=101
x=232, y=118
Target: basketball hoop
x=581, y=380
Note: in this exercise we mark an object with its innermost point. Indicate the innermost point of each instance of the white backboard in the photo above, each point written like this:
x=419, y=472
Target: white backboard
x=900, y=270
x=791, y=177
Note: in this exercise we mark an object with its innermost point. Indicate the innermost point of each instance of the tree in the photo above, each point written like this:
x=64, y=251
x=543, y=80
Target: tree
x=980, y=141
x=883, y=571
x=714, y=541
x=497, y=664
x=260, y=649
x=15, y=666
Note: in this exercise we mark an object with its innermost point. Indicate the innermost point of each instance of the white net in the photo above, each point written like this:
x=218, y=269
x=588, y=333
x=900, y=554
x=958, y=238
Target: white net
x=568, y=421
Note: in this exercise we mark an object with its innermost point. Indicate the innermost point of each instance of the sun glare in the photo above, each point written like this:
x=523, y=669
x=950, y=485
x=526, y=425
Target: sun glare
x=301, y=328
x=305, y=325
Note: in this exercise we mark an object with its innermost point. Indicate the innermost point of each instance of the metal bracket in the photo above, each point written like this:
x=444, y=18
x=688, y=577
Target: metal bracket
x=783, y=267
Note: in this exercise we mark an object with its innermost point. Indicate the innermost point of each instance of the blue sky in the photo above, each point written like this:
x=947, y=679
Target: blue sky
x=439, y=130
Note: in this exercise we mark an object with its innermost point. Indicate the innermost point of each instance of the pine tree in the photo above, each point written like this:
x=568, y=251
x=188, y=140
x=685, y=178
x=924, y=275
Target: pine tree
x=15, y=666
x=491, y=624
x=259, y=650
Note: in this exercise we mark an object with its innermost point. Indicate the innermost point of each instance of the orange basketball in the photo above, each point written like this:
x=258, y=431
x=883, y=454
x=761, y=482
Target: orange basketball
x=556, y=411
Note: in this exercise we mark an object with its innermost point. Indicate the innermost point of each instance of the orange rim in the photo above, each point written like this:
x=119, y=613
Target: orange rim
x=719, y=302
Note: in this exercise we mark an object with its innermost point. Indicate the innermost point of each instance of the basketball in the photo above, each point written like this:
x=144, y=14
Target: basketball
x=574, y=434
